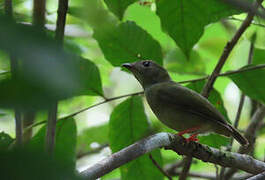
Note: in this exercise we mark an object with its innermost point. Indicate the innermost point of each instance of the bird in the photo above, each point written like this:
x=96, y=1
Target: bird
x=179, y=107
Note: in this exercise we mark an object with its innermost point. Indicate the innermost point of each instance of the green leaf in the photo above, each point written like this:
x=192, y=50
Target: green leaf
x=89, y=78
x=128, y=123
x=45, y=73
x=65, y=142
x=177, y=62
x=5, y=141
x=259, y=56
x=216, y=99
x=118, y=7
x=127, y=42
x=251, y=83
x=184, y=20
x=25, y=164
x=214, y=140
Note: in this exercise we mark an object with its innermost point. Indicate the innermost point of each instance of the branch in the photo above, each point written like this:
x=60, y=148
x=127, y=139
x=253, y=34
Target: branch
x=180, y=146
x=186, y=168
x=61, y=19
x=253, y=23
x=227, y=50
x=159, y=168
x=59, y=36
x=260, y=176
x=51, y=127
x=39, y=13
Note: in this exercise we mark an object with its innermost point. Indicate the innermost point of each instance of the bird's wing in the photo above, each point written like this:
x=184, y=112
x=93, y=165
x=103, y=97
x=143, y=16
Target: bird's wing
x=188, y=100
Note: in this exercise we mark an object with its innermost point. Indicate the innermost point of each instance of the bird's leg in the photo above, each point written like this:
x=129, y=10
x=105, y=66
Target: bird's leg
x=193, y=137
x=188, y=130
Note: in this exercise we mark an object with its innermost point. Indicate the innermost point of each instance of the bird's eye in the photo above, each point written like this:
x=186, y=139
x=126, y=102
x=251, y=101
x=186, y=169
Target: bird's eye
x=146, y=63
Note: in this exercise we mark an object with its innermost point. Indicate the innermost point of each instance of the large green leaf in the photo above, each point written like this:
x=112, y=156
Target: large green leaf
x=213, y=140
x=46, y=72
x=127, y=42
x=251, y=83
x=128, y=123
x=259, y=56
x=176, y=61
x=26, y=164
x=118, y=7
x=185, y=20
x=65, y=142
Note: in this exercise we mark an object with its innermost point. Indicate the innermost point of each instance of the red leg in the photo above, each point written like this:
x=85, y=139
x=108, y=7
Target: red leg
x=192, y=138
x=188, y=130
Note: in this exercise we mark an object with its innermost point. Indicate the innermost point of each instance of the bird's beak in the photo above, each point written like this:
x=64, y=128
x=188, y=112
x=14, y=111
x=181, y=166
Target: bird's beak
x=127, y=65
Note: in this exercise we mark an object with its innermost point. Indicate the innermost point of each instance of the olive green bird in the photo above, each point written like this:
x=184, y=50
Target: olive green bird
x=179, y=107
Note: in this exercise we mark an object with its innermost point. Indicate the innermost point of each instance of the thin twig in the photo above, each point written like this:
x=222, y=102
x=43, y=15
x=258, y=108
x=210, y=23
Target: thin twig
x=171, y=168
x=241, y=20
x=51, y=128
x=227, y=50
x=159, y=168
x=186, y=168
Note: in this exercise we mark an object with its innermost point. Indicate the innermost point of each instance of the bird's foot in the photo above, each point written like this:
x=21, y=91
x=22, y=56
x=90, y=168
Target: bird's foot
x=190, y=130
x=192, y=138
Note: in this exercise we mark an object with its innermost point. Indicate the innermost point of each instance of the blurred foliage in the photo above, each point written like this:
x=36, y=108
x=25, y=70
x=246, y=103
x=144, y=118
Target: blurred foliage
x=184, y=20
x=29, y=165
x=250, y=83
x=65, y=139
x=188, y=37
x=5, y=141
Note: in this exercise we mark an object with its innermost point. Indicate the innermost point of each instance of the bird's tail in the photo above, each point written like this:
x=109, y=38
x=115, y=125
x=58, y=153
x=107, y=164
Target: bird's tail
x=241, y=139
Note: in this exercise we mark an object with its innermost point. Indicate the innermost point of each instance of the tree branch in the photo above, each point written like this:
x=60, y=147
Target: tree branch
x=59, y=37
x=51, y=127
x=227, y=50
x=39, y=13
x=180, y=146
x=260, y=176
x=61, y=20
x=186, y=167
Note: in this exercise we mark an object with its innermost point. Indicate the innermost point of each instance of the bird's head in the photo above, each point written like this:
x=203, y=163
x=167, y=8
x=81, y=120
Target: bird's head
x=147, y=72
